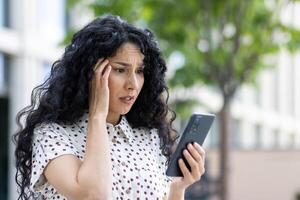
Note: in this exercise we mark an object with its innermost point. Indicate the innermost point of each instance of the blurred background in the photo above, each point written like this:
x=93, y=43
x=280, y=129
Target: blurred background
x=238, y=59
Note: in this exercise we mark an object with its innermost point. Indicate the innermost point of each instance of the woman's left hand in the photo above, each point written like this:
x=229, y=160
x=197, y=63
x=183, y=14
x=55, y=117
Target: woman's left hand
x=195, y=155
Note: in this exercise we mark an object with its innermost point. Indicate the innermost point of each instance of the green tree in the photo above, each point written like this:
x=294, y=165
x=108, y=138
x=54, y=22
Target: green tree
x=224, y=44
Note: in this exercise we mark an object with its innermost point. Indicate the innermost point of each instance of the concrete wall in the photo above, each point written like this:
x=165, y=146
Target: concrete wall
x=261, y=175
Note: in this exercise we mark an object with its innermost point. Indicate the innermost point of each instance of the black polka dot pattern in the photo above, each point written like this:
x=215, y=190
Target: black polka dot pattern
x=138, y=167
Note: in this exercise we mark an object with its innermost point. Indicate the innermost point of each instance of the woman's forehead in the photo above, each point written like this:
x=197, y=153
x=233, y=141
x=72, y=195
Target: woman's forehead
x=128, y=52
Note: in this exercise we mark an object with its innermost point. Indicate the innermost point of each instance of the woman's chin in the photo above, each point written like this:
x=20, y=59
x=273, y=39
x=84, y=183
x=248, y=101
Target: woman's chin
x=124, y=111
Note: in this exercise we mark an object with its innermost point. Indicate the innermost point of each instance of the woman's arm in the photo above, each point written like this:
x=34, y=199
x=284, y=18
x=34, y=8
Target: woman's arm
x=92, y=178
x=176, y=193
x=89, y=179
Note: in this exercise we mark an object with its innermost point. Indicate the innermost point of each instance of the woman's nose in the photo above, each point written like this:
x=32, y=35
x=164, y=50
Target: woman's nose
x=132, y=82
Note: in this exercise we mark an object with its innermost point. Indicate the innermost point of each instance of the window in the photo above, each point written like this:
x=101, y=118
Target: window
x=275, y=99
x=257, y=98
x=3, y=75
x=276, y=139
x=52, y=20
x=235, y=131
x=1, y=72
x=213, y=134
x=293, y=82
x=46, y=69
x=4, y=13
x=258, y=137
x=292, y=141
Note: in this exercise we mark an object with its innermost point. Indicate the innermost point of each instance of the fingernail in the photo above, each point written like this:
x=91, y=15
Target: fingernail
x=95, y=67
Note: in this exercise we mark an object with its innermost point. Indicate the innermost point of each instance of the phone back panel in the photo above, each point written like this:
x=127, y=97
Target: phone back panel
x=195, y=131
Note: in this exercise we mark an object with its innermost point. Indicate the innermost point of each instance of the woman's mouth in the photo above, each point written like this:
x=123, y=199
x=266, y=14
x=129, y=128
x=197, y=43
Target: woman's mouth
x=128, y=99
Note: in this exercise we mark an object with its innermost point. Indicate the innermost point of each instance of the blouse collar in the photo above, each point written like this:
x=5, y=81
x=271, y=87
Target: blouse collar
x=123, y=126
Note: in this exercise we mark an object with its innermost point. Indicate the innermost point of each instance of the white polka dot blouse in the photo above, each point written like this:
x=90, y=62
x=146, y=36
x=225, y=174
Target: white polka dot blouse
x=138, y=167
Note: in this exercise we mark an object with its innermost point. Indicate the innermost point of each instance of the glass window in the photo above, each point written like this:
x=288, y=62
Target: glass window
x=292, y=82
x=258, y=137
x=1, y=71
x=275, y=86
x=52, y=20
x=3, y=75
x=213, y=134
x=235, y=130
x=3, y=13
x=292, y=141
x=46, y=69
x=257, y=98
x=276, y=144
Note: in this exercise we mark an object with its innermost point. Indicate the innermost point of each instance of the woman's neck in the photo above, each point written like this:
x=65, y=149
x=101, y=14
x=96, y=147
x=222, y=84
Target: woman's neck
x=113, y=119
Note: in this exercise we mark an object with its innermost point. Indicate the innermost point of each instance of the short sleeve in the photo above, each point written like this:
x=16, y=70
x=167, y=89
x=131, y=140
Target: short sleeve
x=49, y=141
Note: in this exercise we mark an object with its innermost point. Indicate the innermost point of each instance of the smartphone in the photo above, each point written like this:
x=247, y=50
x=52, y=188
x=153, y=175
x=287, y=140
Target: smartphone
x=195, y=131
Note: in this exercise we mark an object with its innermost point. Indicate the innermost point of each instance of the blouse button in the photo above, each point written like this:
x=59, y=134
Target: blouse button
x=123, y=163
x=128, y=191
x=114, y=140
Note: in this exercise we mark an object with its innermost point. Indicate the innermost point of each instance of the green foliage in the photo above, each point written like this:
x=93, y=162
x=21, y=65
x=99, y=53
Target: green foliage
x=224, y=42
x=68, y=37
x=184, y=107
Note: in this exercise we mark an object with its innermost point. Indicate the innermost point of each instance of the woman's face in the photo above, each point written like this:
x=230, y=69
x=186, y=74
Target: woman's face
x=126, y=79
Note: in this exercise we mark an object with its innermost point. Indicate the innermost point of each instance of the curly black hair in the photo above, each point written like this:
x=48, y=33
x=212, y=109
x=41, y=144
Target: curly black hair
x=63, y=97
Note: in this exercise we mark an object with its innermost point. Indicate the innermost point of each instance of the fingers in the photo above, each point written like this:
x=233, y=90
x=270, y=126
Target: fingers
x=92, y=86
x=102, y=70
x=98, y=64
x=100, y=67
x=195, y=166
x=199, y=149
x=195, y=157
x=106, y=74
x=185, y=171
x=99, y=91
x=195, y=153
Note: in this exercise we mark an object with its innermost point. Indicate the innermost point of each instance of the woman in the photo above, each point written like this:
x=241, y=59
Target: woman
x=99, y=127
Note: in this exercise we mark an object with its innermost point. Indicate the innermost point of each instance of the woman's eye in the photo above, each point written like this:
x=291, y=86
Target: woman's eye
x=120, y=70
x=140, y=71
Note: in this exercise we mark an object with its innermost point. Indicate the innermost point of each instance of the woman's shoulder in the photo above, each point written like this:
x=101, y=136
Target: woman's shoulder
x=60, y=126
x=48, y=126
x=51, y=129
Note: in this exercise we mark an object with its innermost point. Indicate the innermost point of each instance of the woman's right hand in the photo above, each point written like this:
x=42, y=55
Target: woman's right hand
x=98, y=89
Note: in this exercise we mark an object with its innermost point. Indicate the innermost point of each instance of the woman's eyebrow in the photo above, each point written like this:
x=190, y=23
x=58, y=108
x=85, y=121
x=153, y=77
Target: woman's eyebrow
x=126, y=64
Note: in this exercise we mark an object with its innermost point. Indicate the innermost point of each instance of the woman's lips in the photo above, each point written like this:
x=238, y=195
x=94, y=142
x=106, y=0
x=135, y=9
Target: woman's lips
x=128, y=99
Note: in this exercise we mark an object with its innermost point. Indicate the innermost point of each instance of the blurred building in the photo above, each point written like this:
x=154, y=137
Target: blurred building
x=266, y=118
x=30, y=32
